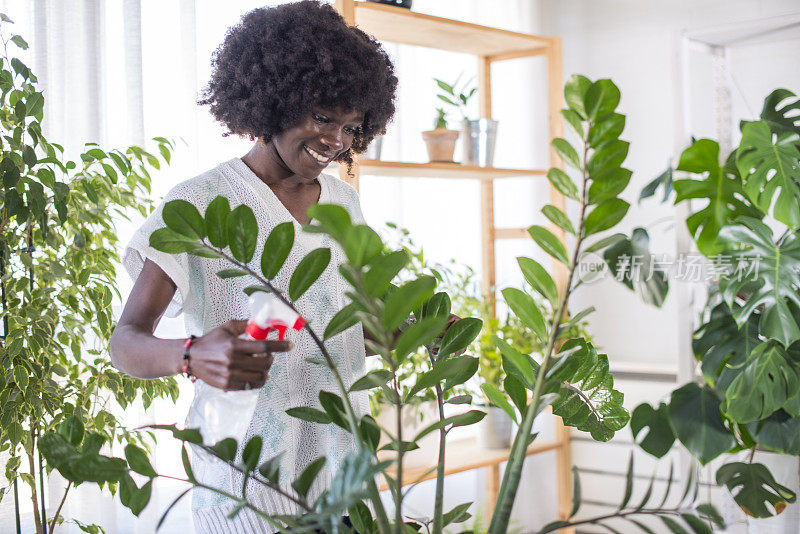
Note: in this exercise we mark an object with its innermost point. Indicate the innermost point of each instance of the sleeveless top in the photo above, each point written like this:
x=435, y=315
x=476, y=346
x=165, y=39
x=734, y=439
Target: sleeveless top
x=208, y=301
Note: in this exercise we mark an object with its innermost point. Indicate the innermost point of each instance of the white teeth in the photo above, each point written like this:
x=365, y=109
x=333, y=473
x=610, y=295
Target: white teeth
x=316, y=155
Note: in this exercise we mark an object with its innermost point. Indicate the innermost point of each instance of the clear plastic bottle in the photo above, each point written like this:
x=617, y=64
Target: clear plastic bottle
x=227, y=414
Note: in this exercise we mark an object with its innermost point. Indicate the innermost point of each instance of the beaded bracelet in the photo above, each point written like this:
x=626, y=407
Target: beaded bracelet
x=185, y=367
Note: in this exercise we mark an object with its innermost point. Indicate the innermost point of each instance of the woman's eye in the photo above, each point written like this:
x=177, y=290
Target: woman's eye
x=349, y=130
x=319, y=118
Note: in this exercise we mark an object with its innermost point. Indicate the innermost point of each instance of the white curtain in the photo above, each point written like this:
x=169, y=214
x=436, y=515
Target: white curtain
x=119, y=72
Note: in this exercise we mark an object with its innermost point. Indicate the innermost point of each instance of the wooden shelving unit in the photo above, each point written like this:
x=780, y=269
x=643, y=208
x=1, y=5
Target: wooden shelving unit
x=489, y=45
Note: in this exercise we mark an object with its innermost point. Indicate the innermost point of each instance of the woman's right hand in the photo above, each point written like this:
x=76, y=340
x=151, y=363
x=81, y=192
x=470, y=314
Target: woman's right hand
x=222, y=360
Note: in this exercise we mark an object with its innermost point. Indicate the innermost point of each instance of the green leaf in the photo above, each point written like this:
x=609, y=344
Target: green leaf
x=608, y=129
x=271, y=469
x=333, y=218
x=252, y=452
x=609, y=156
x=459, y=335
x=576, y=492
x=549, y=243
x=307, y=413
x=72, y=429
x=231, y=273
x=192, y=435
x=673, y=526
x=606, y=215
x=225, y=449
x=19, y=41
x=344, y=319
x=721, y=186
x=334, y=407
x=242, y=231
x=566, y=152
x=586, y=398
x=465, y=419
x=361, y=245
x=498, y=399
x=602, y=98
x=457, y=515
x=769, y=171
x=559, y=218
x=308, y=271
x=382, y=271
x=769, y=379
x=753, y=486
x=406, y=298
x=171, y=242
x=779, y=432
x=276, y=249
x=575, y=92
x=664, y=179
x=21, y=377
x=563, y=183
x=138, y=461
x=695, y=416
x=767, y=271
x=306, y=478
x=183, y=218
x=436, y=306
x=418, y=334
x=628, y=484
x=454, y=370
x=515, y=363
x=372, y=379
x=525, y=308
x=784, y=119
x=632, y=264
x=574, y=121
x=609, y=183
x=539, y=279
x=659, y=437
x=216, y=221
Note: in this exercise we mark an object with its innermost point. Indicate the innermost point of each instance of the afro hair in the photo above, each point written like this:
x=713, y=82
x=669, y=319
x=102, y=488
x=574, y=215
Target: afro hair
x=279, y=62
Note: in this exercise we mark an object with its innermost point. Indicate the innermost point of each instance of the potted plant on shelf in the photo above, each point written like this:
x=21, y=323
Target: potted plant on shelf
x=748, y=343
x=440, y=142
x=478, y=135
x=569, y=374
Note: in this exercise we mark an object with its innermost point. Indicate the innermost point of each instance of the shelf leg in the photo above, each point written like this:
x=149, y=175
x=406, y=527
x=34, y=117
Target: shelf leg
x=492, y=487
x=563, y=472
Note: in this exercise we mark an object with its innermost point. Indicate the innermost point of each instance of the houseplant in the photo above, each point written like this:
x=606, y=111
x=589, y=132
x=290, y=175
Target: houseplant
x=569, y=374
x=440, y=142
x=57, y=254
x=478, y=135
x=746, y=344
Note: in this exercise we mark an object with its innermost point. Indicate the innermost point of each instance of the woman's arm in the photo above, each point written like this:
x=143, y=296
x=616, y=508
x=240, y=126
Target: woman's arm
x=219, y=358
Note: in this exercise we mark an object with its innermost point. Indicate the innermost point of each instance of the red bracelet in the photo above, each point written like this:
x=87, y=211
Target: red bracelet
x=185, y=367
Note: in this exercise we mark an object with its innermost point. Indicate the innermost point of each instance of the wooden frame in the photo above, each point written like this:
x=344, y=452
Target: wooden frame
x=395, y=24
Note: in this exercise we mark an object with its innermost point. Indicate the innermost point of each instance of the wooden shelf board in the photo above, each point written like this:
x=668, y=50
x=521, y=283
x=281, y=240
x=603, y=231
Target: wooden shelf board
x=462, y=455
x=440, y=170
x=399, y=25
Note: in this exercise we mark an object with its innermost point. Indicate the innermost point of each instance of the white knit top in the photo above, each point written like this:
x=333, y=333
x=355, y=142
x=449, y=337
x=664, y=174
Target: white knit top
x=208, y=301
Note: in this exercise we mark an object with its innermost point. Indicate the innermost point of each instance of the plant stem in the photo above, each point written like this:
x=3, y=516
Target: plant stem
x=438, y=513
x=644, y=511
x=58, y=510
x=398, y=500
x=513, y=472
x=34, y=498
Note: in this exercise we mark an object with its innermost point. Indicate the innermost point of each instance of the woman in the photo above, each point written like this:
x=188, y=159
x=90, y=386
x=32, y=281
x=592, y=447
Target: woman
x=309, y=90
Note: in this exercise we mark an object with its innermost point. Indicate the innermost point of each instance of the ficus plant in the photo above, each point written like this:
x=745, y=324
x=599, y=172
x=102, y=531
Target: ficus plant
x=57, y=280
x=747, y=343
x=568, y=374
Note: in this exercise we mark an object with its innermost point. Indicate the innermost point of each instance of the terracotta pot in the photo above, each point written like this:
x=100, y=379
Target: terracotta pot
x=441, y=144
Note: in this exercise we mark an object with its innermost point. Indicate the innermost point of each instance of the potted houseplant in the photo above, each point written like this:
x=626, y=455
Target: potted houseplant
x=440, y=142
x=479, y=135
x=57, y=279
x=748, y=341
x=569, y=374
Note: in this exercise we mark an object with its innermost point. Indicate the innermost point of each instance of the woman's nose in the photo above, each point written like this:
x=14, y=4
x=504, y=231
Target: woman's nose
x=333, y=139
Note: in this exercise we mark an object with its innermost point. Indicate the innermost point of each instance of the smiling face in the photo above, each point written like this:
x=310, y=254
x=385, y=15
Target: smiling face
x=307, y=148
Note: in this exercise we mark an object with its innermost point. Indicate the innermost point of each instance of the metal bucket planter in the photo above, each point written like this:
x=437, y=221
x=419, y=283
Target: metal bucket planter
x=494, y=430
x=479, y=140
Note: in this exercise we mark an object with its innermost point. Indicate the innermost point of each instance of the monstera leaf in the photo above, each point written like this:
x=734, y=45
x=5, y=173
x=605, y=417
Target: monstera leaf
x=778, y=119
x=770, y=278
x=770, y=377
x=753, y=486
x=586, y=399
x=769, y=168
x=720, y=185
x=631, y=262
x=695, y=416
x=722, y=347
x=779, y=432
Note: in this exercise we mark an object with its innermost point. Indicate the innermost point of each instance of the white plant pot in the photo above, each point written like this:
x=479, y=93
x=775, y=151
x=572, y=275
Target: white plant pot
x=494, y=430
